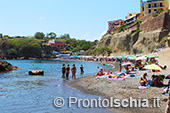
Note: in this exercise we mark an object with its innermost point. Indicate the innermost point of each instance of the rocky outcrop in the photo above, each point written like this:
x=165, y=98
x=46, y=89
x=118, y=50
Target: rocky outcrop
x=133, y=43
x=5, y=66
x=36, y=72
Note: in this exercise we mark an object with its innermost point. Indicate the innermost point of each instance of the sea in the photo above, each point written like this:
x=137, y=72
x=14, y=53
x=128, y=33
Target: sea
x=24, y=93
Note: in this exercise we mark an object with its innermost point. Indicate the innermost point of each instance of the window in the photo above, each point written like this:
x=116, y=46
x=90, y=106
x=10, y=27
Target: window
x=149, y=11
x=143, y=8
x=155, y=9
x=130, y=14
x=149, y=5
x=161, y=5
x=155, y=4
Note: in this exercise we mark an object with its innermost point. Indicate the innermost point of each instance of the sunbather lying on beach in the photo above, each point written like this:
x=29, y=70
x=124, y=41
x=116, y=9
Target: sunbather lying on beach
x=143, y=81
x=100, y=73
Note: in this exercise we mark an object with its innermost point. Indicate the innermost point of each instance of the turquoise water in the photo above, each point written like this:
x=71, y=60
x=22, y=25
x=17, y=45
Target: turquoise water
x=22, y=93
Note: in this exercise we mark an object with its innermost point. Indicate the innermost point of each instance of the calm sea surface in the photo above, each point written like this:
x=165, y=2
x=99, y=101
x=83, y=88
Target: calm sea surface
x=22, y=93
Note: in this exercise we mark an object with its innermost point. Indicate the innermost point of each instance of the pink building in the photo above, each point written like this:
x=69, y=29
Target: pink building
x=56, y=43
x=114, y=24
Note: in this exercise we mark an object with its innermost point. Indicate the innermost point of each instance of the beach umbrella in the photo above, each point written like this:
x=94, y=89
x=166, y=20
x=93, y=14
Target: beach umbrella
x=120, y=57
x=152, y=56
x=141, y=58
x=131, y=57
x=126, y=63
x=153, y=67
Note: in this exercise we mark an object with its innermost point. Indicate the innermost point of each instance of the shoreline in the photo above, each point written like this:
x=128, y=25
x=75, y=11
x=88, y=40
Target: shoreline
x=122, y=89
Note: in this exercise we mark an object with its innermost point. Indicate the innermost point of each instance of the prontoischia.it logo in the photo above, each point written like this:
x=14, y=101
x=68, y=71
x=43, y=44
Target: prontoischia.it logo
x=103, y=103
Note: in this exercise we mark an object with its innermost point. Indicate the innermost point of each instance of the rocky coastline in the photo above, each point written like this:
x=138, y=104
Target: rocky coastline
x=5, y=66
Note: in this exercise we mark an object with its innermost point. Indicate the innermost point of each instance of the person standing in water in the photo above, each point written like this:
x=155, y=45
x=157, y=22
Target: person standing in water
x=63, y=71
x=67, y=71
x=82, y=69
x=73, y=69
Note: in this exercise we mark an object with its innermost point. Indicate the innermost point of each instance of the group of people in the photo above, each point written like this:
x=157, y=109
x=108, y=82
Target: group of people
x=156, y=80
x=66, y=70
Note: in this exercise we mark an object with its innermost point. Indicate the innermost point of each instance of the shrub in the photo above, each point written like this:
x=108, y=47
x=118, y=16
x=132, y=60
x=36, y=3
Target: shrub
x=121, y=28
x=11, y=52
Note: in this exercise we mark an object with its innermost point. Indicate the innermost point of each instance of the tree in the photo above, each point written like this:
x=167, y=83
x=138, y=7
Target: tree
x=65, y=36
x=39, y=35
x=1, y=35
x=103, y=50
x=51, y=35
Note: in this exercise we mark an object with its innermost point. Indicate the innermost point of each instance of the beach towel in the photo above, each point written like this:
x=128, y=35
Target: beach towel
x=115, y=78
x=143, y=87
x=100, y=77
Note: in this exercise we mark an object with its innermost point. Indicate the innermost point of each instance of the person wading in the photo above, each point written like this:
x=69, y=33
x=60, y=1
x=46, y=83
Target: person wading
x=67, y=71
x=73, y=69
x=63, y=71
x=82, y=69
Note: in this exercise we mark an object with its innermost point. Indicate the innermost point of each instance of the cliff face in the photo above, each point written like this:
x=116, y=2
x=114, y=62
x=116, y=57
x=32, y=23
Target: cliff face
x=133, y=43
x=154, y=29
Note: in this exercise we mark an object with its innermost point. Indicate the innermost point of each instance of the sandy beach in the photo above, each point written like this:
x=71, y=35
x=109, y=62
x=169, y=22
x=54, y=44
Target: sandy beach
x=122, y=89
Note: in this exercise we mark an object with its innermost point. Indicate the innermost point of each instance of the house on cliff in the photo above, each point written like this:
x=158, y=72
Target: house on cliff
x=114, y=24
x=131, y=18
x=150, y=6
x=56, y=43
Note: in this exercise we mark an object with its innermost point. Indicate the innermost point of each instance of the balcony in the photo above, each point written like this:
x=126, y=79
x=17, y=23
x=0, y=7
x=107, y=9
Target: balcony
x=155, y=7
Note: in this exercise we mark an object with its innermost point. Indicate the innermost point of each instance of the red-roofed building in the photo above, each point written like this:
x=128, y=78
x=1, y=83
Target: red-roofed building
x=56, y=43
x=114, y=24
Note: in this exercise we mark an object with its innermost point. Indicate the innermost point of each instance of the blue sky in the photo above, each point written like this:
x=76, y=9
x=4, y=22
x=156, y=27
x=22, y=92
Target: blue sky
x=82, y=19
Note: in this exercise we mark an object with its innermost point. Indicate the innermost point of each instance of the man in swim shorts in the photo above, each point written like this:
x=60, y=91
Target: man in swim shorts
x=73, y=69
x=67, y=71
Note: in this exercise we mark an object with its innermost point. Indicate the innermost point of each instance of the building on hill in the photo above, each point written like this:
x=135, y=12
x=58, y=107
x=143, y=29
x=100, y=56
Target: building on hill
x=131, y=18
x=129, y=15
x=114, y=24
x=56, y=43
x=150, y=6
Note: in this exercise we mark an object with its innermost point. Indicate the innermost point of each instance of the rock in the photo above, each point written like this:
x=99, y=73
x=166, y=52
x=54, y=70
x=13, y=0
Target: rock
x=36, y=72
x=133, y=43
x=5, y=66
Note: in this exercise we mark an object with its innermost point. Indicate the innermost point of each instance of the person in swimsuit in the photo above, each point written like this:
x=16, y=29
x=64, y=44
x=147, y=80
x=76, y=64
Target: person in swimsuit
x=67, y=71
x=63, y=71
x=81, y=69
x=100, y=73
x=143, y=80
x=120, y=66
x=158, y=81
x=73, y=69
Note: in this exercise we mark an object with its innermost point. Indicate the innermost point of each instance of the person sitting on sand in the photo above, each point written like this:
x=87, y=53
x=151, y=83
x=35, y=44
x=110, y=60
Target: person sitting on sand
x=100, y=73
x=73, y=69
x=143, y=80
x=158, y=81
x=108, y=73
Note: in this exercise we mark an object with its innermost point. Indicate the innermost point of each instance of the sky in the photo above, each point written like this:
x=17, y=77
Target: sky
x=82, y=19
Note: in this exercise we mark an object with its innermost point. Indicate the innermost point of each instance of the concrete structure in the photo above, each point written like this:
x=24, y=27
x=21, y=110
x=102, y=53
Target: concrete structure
x=56, y=43
x=114, y=24
x=150, y=6
x=131, y=18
